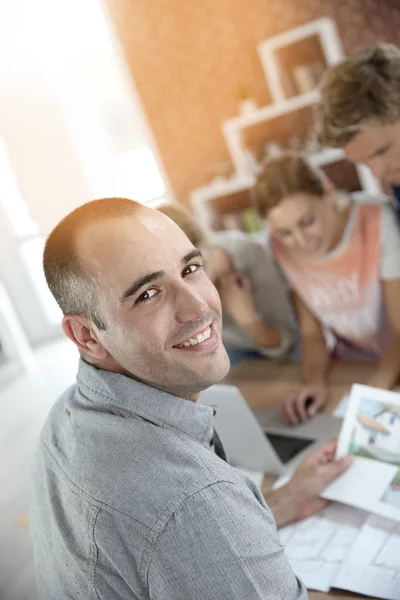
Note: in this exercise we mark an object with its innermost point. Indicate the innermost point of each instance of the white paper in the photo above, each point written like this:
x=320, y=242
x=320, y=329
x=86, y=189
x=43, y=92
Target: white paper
x=372, y=566
x=371, y=432
x=341, y=408
x=363, y=485
x=317, y=546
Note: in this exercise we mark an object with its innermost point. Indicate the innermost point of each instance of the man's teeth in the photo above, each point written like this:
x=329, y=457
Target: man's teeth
x=197, y=339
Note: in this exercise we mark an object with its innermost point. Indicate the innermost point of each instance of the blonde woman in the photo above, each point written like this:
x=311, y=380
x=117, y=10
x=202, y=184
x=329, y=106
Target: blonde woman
x=341, y=259
x=257, y=317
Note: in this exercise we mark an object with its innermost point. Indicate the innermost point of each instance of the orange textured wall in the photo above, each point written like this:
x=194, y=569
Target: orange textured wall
x=189, y=59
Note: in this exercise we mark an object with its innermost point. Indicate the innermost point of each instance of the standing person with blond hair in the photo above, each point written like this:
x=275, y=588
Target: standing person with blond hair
x=341, y=260
x=359, y=111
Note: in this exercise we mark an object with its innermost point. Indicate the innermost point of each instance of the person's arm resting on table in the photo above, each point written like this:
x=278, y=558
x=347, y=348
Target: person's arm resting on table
x=237, y=299
x=387, y=371
x=221, y=544
x=315, y=362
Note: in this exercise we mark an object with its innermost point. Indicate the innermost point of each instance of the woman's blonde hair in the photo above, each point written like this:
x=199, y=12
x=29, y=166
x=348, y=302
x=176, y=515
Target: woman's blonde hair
x=186, y=221
x=363, y=89
x=285, y=175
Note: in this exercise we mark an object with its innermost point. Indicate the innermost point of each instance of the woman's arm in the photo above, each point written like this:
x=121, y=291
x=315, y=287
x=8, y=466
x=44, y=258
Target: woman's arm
x=315, y=359
x=262, y=334
x=387, y=371
x=314, y=364
x=237, y=299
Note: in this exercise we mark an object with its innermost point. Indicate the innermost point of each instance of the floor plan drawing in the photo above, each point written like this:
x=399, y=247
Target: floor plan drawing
x=317, y=546
x=373, y=564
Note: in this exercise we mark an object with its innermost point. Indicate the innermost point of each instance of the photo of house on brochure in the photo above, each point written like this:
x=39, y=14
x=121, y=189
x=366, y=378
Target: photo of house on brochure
x=371, y=433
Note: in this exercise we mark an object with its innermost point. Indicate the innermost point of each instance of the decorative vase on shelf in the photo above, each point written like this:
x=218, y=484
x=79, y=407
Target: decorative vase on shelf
x=246, y=102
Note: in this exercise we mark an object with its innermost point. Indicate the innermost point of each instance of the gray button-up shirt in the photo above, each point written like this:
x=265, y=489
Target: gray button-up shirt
x=130, y=502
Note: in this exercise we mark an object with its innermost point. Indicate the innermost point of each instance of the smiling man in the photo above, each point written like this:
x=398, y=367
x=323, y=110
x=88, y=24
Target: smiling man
x=360, y=112
x=131, y=496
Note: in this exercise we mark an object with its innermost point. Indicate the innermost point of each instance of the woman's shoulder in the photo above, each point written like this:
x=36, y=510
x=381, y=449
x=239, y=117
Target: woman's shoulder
x=382, y=221
x=381, y=208
x=371, y=203
x=248, y=251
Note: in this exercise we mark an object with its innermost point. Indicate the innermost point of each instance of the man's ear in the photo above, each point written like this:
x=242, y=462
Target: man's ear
x=81, y=332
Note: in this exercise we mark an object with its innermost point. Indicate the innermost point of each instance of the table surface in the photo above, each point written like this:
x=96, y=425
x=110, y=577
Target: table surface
x=268, y=383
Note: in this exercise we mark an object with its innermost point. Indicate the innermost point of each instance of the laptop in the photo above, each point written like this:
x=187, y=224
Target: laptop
x=259, y=439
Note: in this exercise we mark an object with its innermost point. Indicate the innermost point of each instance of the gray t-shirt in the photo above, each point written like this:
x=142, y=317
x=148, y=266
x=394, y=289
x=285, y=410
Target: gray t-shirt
x=253, y=257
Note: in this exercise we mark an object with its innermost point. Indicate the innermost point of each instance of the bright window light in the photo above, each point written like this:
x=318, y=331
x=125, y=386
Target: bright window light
x=32, y=254
x=137, y=176
x=157, y=202
x=11, y=198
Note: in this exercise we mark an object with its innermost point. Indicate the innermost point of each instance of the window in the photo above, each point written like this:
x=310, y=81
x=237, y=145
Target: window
x=12, y=200
x=31, y=254
x=25, y=230
x=137, y=176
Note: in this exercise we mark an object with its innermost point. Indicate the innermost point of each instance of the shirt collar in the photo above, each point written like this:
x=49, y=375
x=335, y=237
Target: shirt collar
x=156, y=406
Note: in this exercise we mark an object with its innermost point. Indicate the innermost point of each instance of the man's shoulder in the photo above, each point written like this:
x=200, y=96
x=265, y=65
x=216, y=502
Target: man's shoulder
x=125, y=465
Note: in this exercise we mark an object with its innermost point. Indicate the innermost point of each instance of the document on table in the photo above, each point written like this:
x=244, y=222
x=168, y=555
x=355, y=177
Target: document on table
x=317, y=546
x=372, y=567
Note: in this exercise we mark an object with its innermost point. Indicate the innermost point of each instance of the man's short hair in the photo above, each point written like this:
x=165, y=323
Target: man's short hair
x=282, y=176
x=74, y=289
x=363, y=89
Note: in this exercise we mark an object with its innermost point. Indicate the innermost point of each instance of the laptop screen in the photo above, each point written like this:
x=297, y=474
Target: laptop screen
x=287, y=447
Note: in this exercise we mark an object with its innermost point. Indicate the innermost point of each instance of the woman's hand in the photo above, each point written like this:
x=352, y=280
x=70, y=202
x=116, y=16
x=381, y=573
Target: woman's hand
x=303, y=405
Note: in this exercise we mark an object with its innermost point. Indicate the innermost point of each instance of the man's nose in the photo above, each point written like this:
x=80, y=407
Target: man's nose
x=190, y=304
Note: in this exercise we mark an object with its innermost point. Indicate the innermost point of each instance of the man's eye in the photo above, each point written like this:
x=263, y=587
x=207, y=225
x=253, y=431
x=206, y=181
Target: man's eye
x=146, y=295
x=191, y=269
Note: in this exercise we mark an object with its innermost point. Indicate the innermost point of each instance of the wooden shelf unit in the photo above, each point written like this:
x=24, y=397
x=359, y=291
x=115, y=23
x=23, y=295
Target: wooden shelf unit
x=284, y=124
x=314, y=42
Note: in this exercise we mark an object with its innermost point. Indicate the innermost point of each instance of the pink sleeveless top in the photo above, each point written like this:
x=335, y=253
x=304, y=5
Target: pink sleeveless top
x=343, y=288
